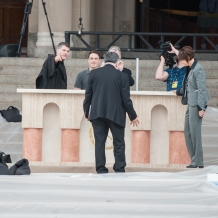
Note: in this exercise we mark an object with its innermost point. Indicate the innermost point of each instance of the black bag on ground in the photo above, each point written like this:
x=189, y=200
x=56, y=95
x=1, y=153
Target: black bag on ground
x=3, y=166
x=12, y=114
x=19, y=168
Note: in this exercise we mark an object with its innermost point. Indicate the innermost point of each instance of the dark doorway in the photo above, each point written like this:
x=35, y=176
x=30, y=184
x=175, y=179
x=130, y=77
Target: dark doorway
x=169, y=16
x=11, y=17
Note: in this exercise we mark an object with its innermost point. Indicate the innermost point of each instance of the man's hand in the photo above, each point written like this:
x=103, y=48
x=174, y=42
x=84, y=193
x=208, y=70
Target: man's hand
x=58, y=58
x=174, y=50
x=201, y=113
x=120, y=65
x=135, y=122
x=103, y=64
x=174, y=91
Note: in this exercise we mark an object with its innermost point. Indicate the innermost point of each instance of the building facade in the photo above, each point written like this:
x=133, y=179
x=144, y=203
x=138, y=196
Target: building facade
x=97, y=15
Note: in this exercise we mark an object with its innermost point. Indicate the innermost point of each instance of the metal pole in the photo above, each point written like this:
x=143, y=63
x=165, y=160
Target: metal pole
x=51, y=34
x=137, y=74
x=27, y=11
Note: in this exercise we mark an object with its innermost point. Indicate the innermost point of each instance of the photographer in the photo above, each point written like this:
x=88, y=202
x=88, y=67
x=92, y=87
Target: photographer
x=172, y=76
x=194, y=94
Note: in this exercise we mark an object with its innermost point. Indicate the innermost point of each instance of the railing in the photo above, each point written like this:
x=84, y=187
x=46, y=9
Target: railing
x=142, y=36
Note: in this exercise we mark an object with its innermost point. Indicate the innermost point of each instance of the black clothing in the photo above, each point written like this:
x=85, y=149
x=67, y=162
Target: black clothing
x=108, y=93
x=129, y=73
x=107, y=99
x=101, y=127
x=19, y=168
x=53, y=75
x=82, y=79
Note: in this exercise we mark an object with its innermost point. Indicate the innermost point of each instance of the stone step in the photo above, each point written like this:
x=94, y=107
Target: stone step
x=38, y=62
x=211, y=139
x=5, y=105
x=5, y=137
x=210, y=130
x=213, y=102
x=152, y=64
x=12, y=89
x=143, y=82
x=74, y=70
x=9, y=98
x=35, y=70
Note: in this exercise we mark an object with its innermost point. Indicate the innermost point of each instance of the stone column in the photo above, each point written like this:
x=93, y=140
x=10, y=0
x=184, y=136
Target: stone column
x=33, y=29
x=124, y=21
x=70, y=145
x=60, y=19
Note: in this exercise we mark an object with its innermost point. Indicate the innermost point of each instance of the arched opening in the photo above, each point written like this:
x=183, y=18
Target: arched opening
x=51, y=134
x=159, y=147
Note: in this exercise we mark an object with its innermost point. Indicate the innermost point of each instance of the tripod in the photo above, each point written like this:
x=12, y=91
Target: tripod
x=27, y=12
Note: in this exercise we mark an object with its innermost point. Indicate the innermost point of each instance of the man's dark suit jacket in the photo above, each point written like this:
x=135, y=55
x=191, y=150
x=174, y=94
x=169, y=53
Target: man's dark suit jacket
x=108, y=93
x=129, y=73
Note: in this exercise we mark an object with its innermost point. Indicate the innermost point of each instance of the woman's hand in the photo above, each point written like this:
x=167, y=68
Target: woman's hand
x=201, y=113
x=174, y=50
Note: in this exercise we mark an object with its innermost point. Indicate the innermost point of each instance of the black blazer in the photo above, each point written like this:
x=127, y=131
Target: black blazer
x=108, y=93
x=129, y=73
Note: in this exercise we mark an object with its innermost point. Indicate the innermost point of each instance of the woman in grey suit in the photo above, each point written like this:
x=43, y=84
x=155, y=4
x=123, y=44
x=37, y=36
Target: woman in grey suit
x=194, y=93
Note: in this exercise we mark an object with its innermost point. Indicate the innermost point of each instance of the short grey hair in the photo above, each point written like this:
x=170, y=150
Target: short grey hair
x=63, y=44
x=115, y=49
x=111, y=57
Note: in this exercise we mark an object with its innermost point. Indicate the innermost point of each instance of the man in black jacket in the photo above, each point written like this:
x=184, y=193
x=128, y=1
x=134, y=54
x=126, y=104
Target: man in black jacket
x=107, y=99
x=53, y=74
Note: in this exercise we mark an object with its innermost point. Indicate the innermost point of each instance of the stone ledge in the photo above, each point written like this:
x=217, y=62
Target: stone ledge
x=69, y=167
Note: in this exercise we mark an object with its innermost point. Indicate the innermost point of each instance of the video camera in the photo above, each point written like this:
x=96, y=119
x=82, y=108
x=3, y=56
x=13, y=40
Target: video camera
x=169, y=57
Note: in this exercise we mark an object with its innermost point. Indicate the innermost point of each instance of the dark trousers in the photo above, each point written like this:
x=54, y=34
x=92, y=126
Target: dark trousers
x=101, y=127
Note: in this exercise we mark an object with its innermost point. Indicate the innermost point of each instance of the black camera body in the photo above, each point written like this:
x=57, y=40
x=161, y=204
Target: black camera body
x=169, y=57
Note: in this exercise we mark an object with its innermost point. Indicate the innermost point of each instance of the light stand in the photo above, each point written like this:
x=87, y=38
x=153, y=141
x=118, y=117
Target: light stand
x=27, y=11
x=51, y=34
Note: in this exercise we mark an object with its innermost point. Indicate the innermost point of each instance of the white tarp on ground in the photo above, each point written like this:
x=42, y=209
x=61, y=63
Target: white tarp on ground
x=145, y=194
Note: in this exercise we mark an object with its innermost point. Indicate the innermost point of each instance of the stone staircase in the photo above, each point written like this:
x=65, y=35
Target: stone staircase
x=22, y=72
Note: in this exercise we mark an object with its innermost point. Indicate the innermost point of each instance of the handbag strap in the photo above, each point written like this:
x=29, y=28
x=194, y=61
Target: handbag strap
x=5, y=157
x=10, y=107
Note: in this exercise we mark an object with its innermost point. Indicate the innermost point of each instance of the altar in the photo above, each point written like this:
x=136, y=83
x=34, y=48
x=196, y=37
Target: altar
x=55, y=129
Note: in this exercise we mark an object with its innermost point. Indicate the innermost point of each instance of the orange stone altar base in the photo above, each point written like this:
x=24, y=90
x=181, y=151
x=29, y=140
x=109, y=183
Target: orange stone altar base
x=56, y=131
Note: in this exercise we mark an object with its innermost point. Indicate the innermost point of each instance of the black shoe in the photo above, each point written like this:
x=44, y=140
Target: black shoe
x=191, y=166
x=201, y=166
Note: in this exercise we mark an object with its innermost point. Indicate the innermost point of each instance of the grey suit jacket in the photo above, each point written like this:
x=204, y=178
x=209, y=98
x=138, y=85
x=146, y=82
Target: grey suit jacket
x=195, y=87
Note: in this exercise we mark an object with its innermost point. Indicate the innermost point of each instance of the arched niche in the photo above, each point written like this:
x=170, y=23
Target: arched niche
x=159, y=142
x=51, y=134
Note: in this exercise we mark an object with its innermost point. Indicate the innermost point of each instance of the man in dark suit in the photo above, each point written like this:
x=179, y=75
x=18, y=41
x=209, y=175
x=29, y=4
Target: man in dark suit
x=107, y=99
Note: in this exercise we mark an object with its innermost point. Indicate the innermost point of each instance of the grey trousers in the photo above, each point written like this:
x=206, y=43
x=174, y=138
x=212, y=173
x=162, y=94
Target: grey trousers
x=192, y=133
